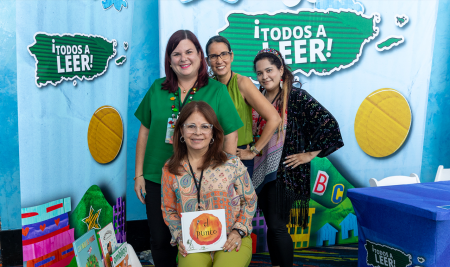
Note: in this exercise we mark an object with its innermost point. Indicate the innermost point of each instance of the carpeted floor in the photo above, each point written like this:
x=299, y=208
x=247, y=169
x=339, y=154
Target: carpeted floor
x=337, y=256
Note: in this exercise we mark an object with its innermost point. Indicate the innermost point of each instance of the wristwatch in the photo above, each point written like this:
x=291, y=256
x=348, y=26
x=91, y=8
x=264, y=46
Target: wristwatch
x=254, y=150
x=240, y=232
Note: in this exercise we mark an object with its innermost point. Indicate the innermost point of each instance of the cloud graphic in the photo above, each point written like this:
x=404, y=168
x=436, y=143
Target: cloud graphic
x=291, y=3
x=118, y=4
x=228, y=1
x=351, y=4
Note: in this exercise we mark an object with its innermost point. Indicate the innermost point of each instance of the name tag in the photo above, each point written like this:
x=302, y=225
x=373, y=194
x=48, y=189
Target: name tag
x=170, y=130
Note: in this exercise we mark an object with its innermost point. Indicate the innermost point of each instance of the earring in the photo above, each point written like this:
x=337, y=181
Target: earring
x=182, y=140
x=212, y=141
x=281, y=83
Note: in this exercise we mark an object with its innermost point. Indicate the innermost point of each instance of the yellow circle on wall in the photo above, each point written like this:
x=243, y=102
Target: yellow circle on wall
x=105, y=134
x=382, y=122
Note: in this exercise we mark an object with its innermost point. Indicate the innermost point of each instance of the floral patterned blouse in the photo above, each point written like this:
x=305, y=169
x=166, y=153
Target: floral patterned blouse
x=228, y=187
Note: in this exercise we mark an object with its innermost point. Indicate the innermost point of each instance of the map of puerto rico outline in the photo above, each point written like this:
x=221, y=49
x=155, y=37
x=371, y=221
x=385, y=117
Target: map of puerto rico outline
x=113, y=43
x=375, y=17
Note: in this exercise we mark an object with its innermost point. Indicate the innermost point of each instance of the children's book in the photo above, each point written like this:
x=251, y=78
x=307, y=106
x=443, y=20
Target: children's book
x=108, y=243
x=87, y=252
x=204, y=230
x=120, y=257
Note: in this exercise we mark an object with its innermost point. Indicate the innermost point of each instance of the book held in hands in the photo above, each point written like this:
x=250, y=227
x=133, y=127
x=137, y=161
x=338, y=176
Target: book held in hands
x=204, y=230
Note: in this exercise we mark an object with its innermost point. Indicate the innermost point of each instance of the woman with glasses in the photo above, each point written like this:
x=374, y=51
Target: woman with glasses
x=199, y=177
x=186, y=80
x=245, y=96
x=309, y=131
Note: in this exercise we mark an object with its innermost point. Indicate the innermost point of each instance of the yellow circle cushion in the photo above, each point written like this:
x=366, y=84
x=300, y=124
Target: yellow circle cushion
x=382, y=122
x=105, y=134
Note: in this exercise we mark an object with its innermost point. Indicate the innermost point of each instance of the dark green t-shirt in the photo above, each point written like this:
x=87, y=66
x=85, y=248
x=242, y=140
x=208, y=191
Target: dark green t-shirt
x=156, y=108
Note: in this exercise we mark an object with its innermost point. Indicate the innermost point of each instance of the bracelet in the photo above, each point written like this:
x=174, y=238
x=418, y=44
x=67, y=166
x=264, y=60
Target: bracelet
x=254, y=150
x=138, y=177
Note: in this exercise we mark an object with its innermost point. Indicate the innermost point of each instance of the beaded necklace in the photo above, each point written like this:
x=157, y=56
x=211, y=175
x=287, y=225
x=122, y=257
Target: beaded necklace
x=256, y=136
x=176, y=111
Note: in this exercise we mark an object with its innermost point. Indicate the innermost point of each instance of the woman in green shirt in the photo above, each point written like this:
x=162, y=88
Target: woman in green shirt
x=186, y=80
x=245, y=96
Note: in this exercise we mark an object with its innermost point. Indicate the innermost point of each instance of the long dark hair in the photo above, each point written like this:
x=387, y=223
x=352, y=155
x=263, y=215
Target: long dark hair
x=171, y=82
x=217, y=39
x=214, y=155
x=287, y=77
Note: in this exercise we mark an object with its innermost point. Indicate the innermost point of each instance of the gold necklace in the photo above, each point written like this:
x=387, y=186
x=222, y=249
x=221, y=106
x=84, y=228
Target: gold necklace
x=182, y=87
x=184, y=90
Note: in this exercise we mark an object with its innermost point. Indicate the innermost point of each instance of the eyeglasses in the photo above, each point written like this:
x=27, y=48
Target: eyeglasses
x=224, y=56
x=191, y=128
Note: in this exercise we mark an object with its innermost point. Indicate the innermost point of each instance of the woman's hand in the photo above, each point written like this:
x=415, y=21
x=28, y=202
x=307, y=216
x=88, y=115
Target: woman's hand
x=300, y=158
x=141, y=145
x=233, y=242
x=181, y=248
x=139, y=184
x=245, y=154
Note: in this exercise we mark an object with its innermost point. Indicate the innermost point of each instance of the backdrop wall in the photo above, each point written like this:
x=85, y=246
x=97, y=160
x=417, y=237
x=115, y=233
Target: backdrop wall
x=343, y=91
x=48, y=125
x=144, y=69
x=9, y=159
x=437, y=127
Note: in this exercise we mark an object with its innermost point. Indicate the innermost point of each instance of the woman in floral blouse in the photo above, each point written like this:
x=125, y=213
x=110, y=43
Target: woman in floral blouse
x=281, y=173
x=200, y=176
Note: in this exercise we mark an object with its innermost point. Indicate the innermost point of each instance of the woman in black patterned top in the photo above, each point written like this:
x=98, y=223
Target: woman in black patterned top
x=308, y=131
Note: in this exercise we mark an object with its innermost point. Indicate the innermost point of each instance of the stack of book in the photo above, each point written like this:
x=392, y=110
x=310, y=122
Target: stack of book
x=91, y=248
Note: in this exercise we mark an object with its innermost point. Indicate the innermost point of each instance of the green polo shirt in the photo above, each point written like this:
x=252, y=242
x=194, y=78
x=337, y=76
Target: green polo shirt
x=156, y=108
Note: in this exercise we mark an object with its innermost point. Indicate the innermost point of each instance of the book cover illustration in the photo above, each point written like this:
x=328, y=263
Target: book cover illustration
x=120, y=257
x=204, y=230
x=108, y=243
x=86, y=249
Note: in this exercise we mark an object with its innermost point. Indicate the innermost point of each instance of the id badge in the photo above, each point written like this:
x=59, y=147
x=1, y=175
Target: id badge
x=170, y=130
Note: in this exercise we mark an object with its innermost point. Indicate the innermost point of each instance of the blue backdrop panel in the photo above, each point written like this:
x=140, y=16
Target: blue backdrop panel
x=9, y=142
x=144, y=69
x=436, y=150
x=55, y=161
x=405, y=218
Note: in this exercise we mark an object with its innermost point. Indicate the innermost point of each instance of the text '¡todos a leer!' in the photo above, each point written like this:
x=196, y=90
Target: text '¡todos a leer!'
x=384, y=258
x=75, y=57
x=301, y=35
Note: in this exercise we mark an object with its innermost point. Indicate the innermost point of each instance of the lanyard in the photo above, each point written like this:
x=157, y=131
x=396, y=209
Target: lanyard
x=199, y=185
x=230, y=78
